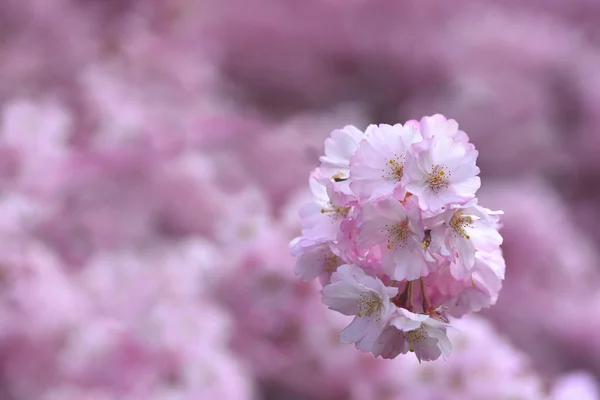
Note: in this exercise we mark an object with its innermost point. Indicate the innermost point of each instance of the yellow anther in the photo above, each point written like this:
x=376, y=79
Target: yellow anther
x=398, y=234
x=394, y=170
x=414, y=336
x=437, y=178
x=336, y=212
x=331, y=261
x=459, y=223
x=368, y=304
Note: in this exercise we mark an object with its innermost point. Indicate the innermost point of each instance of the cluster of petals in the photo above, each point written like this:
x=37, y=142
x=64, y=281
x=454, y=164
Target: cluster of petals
x=397, y=237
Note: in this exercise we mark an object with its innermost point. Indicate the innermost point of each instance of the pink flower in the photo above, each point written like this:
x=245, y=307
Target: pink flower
x=321, y=219
x=464, y=232
x=377, y=168
x=405, y=215
x=418, y=333
x=438, y=125
x=352, y=292
x=340, y=146
x=441, y=171
x=579, y=385
x=314, y=259
x=473, y=293
x=399, y=230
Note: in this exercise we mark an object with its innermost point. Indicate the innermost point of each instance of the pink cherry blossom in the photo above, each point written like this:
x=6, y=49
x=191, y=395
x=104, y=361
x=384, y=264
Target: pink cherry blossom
x=438, y=125
x=406, y=216
x=314, y=259
x=421, y=334
x=576, y=385
x=340, y=146
x=471, y=294
x=352, y=292
x=321, y=219
x=464, y=232
x=377, y=167
x=441, y=171
x=135, y=128
x=398, y=229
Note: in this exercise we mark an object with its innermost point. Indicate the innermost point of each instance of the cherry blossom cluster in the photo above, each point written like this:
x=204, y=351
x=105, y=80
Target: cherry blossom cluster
x=397, y=237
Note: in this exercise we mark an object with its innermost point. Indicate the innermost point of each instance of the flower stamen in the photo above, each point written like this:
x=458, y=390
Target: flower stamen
x=394, y=169
x=398, y=234
x=368, y=304
x=331, y=261
x=336, y=212
x=438, y=178
x=459, y=223
x=415, y=336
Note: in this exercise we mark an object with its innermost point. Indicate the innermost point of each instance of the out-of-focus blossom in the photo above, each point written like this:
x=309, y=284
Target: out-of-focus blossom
x=576, y=385
x=153, y=160
x=529, y=229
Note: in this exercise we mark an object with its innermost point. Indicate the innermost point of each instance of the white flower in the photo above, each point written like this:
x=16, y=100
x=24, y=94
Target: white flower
x=339, y=148
x=418, y=333
x=352, y=292
x=321, y=219
x=441, y=171
x=399, y=231
x=377, y=168
x=314, y=258
x=464, y=232
x=438, y=125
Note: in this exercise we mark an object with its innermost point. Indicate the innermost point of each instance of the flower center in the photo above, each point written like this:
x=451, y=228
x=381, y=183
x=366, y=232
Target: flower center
x=336, y=212
x=460, y=222
x=415, y=336
x=394, y=169
x=368, y=304
x=331, y=261
x=437, y=178
x=398, y=234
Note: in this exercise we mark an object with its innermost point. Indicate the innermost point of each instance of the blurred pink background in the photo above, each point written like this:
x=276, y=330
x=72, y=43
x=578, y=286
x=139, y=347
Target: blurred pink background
x=154, y=154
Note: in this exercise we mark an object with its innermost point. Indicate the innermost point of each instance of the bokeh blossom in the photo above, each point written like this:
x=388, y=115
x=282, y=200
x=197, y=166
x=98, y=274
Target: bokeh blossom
x=154, y=156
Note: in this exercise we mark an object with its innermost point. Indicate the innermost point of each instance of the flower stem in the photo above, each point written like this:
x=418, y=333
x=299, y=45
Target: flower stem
x=426, y=302
x=410, y=305
x=400, y=299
